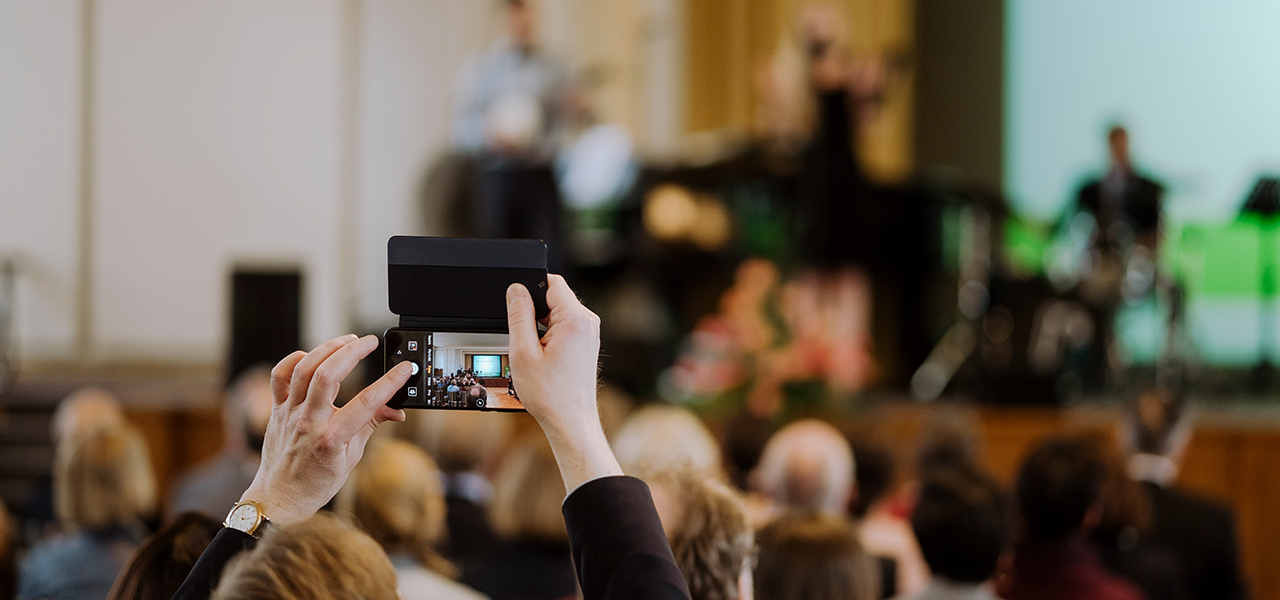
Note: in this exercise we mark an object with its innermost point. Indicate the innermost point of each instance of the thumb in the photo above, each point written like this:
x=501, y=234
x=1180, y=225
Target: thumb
x=521, y=324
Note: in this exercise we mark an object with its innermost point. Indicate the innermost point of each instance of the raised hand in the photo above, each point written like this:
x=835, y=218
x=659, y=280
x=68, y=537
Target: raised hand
x=311, y=445
x=556, y=379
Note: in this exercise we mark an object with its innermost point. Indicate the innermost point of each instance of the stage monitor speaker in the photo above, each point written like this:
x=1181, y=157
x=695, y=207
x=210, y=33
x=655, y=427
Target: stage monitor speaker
x=266, y=317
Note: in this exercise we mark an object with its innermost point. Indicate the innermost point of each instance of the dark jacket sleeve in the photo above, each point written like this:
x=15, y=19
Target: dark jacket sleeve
x=618, y=545
x=208, y=570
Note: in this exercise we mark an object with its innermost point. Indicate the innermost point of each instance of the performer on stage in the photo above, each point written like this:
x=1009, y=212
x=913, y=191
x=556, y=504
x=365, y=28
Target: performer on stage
x=1125, y=207
x=1125, y=204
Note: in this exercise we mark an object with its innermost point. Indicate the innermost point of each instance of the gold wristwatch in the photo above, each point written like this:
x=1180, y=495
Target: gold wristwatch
x=247, y=516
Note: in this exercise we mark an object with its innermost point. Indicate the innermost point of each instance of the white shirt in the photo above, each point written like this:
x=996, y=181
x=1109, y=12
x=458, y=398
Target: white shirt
x=418, y=583
x=1153, y=468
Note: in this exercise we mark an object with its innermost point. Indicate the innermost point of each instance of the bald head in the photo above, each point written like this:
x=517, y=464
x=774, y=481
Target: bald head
x=807, y=465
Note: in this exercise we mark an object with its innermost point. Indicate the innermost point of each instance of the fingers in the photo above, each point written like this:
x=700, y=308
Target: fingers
x=329, y=375
x=301, y=378
x=521, y=321
x=367, y=406
x=559, y=295
x=282, y=373
x=355, y=447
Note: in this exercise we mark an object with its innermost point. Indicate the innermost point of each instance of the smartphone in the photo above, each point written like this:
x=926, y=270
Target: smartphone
x=450, y=294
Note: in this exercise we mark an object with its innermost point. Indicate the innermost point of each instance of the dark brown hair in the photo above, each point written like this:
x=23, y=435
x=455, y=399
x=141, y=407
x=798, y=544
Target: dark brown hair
x=158, y=568
x=962, y=524
x=8, y=570
x=814, y=557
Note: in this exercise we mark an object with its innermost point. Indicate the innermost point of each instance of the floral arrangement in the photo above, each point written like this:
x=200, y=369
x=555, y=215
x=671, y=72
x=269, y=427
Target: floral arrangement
x=779, y=345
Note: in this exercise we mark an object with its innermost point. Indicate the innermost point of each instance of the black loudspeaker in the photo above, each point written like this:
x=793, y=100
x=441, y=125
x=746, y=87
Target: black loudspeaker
x=266, y=317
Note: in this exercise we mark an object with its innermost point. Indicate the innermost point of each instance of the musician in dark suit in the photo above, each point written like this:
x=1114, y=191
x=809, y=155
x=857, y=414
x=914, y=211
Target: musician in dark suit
x=617, y=543
x=1125, y=207
x=1200, y=533
x=1125, y=204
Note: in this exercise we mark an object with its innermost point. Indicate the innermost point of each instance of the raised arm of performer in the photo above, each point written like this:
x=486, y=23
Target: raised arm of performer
x=311, y=446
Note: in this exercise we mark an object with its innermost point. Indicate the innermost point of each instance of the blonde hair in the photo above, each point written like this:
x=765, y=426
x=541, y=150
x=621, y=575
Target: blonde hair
x=528, y=492
x=713, y=538
x=102, y=478
x=84, y=410
x=396, y=495
x=321, y=558
x=660, y=438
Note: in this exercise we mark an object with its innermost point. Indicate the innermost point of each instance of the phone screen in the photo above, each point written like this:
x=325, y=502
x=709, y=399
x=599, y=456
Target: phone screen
x=461, y=371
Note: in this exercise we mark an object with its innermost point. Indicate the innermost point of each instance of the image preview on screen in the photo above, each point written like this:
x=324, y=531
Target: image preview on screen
x=486, y=365
x=454, y=362
x=1192, y=81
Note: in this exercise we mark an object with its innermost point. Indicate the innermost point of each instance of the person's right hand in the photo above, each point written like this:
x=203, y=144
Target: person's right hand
x=312, y=445
x=555, y=377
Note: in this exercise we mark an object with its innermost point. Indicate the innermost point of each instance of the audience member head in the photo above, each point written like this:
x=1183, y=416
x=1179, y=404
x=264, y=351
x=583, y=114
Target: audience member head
x=247, y=408
x=83, y=410
x=807, y=465
x=320, y=558
x=522, y=24
x=814, y=557
x=666, y=438
x=951, y=439
x=8, y=558
x=103, y=479
x=1058, y=488
x=158, y=568
x=1118, y=146
x=461, y=440
x=961, y=523
x=1157, y=424
x=396, y=495
x=873, y=475
x=710, y=533
x=528, y=492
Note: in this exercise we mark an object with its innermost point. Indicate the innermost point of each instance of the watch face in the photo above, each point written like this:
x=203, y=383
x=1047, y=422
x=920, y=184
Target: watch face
x=244, y=518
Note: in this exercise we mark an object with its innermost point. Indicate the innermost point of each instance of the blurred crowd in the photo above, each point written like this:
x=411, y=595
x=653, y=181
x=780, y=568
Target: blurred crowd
x=467, y=505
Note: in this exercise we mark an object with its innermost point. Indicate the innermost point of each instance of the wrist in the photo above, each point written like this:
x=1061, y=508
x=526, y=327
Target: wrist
x=272, y=507
x=583, y=454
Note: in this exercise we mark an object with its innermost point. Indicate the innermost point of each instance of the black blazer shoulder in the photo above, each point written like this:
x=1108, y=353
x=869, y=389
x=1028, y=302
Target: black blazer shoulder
x=619, y=548
x=1203, y=534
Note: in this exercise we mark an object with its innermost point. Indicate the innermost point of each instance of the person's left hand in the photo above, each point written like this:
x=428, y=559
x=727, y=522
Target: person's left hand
x=312, y=445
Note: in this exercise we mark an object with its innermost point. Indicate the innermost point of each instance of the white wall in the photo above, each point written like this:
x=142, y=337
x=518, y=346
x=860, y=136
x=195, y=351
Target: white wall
x=229, y=132
x=39, y=166
x=217, y=140
x=411, y=52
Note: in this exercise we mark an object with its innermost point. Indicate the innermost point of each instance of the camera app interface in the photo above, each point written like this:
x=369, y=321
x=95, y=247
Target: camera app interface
x=455, y=370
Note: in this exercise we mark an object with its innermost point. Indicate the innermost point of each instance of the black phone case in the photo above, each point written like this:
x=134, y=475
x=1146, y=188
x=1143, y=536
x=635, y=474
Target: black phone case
x=452, y=284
